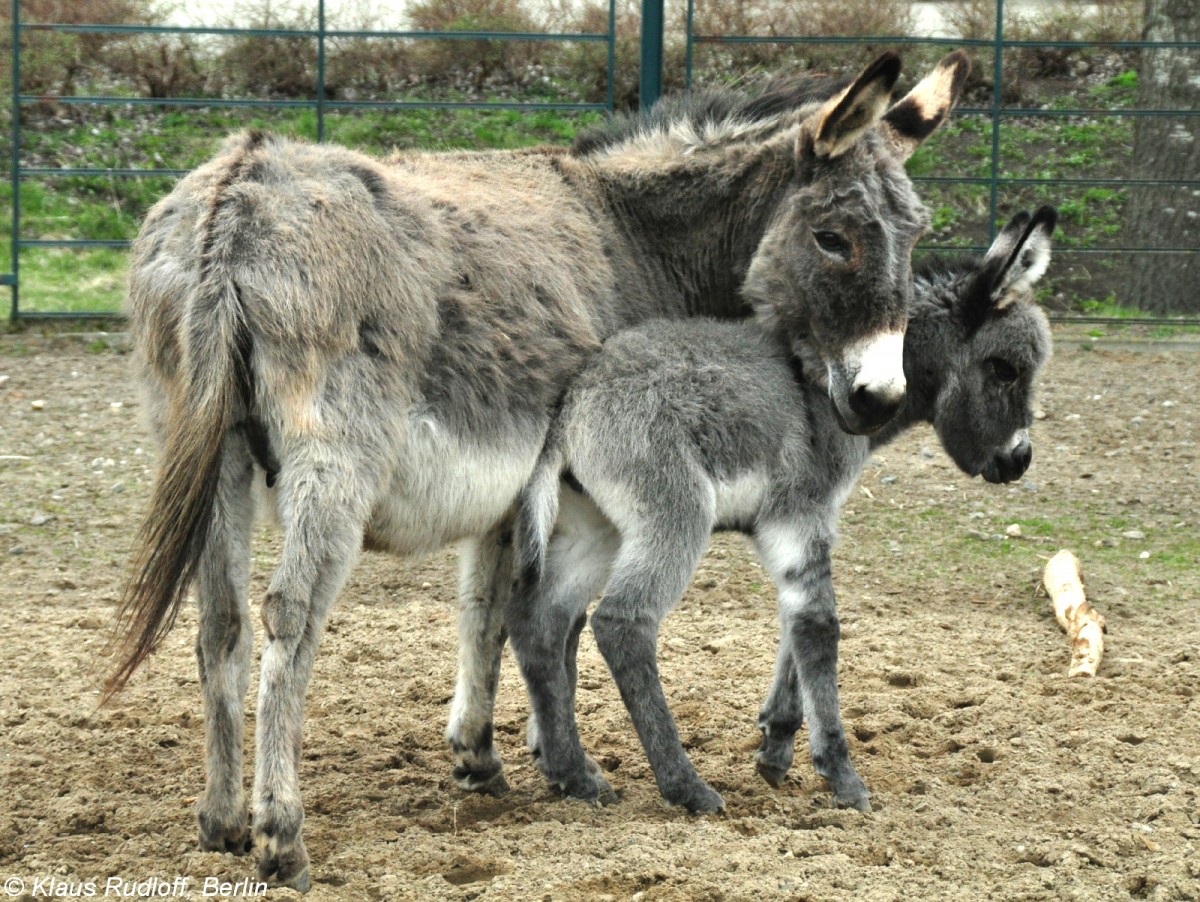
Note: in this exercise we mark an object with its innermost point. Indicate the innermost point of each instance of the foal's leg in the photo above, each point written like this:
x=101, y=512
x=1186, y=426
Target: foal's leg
x=485, y=580
x=798, y=558
x=781, y=714
x=652, y=570
x=223, y=651
x=325, y=496
x=545, y=619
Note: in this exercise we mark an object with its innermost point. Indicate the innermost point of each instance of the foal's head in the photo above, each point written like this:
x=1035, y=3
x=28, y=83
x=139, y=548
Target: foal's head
x=992, y=340
x=834, y=270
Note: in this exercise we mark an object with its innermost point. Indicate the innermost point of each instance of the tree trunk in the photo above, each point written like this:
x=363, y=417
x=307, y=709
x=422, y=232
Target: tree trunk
x=1166, y=147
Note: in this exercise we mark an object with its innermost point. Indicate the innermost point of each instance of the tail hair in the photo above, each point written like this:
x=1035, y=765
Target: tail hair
x=537, y=509
x=213, y=386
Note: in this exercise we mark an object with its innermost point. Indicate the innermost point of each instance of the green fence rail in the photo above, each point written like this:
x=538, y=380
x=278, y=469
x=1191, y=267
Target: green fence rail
x=320, y=103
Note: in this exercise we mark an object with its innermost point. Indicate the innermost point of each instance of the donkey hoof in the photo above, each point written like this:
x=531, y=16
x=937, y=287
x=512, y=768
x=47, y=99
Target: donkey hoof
x=286, y=868
x=852, y=793
x=699, y=799
x=858, y=803
x=772, y=773
x=605, y=794
x=216, y=836
x=583, y=786
x=484, y=782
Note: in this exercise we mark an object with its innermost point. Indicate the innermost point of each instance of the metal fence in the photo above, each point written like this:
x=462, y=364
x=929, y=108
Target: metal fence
x=321, y=104
x=1093, y=260
x=972, y=202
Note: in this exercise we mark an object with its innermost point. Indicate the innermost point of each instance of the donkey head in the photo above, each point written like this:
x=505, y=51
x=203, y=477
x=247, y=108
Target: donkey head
x=833, y=270
x=999, y=341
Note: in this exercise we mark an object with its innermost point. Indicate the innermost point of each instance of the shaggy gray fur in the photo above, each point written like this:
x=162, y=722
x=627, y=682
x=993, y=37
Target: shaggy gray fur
x=676, y=429
x=387, y=341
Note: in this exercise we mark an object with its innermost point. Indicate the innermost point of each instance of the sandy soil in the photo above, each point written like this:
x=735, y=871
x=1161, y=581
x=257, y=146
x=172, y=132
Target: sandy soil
x=993, y=775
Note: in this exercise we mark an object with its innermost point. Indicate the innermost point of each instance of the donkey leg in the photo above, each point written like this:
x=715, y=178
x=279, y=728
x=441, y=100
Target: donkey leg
x=223, y=652
x=780, y=716
x=546, y=619
x=324, y=495
x=540, y=636
x=799, y=561
x=651, y=573
x=485, y=580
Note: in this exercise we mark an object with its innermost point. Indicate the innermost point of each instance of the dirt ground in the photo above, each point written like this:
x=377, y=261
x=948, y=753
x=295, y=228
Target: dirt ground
x=993, y=775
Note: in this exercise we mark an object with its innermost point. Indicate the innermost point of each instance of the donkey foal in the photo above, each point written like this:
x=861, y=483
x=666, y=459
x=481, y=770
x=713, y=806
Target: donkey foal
x=676, y=429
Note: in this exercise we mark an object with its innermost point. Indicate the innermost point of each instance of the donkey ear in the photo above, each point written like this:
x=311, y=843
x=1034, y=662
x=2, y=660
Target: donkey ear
x=1020, y=255
x=926, y=106
x=847, y=116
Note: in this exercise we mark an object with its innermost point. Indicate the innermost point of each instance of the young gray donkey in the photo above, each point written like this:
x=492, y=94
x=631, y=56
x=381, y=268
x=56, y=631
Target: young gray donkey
x=677, y=429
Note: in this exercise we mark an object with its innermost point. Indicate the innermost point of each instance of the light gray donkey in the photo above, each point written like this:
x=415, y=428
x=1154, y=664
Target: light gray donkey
x=387, y=340
x=679, y=428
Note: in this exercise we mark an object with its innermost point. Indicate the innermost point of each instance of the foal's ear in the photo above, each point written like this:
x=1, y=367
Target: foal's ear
x=1019, y=256
x=1011, y=267
x=927, y=106
x=847, y=116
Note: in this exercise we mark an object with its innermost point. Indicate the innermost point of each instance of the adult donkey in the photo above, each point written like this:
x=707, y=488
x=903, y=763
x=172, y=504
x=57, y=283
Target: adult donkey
x=387, y=340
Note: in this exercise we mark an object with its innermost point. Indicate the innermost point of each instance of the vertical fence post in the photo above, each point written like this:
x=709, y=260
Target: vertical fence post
x=691, y=24
x=610, y=96
x=650, y=83
x=997, y=98
x=320, y=70
x=15, y=161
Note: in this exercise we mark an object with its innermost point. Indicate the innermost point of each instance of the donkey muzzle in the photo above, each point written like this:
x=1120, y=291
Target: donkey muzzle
x=1012, y=462
x=868, y=386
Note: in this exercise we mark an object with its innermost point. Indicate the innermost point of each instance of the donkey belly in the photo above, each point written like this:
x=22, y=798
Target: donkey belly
x=448, y=487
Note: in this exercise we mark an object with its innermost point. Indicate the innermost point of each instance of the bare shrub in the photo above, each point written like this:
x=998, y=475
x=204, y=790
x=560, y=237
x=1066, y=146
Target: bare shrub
x=357, y=68
x=1069, y=20
x=746, y=17
x=973, y=20
x=161, y=65
x=473, y=62
x=272, y=66
x=583, y=65
x=56, y=63
x=803, y=18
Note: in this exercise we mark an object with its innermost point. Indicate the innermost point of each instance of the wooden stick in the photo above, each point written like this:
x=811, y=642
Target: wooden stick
x=1083, y=623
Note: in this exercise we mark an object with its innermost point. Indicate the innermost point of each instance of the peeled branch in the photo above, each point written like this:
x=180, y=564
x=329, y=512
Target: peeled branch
x=1083, y=623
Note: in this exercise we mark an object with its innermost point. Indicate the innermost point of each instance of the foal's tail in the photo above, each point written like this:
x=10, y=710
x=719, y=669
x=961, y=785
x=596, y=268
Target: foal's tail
x=209, y=396
x=537, y=509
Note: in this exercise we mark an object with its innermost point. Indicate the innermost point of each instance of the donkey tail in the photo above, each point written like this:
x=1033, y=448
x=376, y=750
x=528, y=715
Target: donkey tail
x=210, y=394
x=537, y=509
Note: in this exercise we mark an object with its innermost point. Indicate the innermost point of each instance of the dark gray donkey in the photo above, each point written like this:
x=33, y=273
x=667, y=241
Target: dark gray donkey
x=387, y=341
x=676, y=429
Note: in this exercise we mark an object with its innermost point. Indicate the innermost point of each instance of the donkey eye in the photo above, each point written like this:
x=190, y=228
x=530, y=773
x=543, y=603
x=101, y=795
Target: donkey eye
x=832, y=242
x=1003, y=371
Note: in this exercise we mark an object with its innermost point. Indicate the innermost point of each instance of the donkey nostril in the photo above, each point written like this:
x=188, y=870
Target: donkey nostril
x=875, y=406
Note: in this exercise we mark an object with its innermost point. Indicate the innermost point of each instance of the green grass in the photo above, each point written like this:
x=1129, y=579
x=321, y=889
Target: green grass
x=1108, y=307
x=1094, y=532
x=73, y=281
x=94, y=208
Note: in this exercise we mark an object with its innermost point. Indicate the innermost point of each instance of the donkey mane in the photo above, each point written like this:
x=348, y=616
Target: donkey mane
x=711, y=117
x=939, y=273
